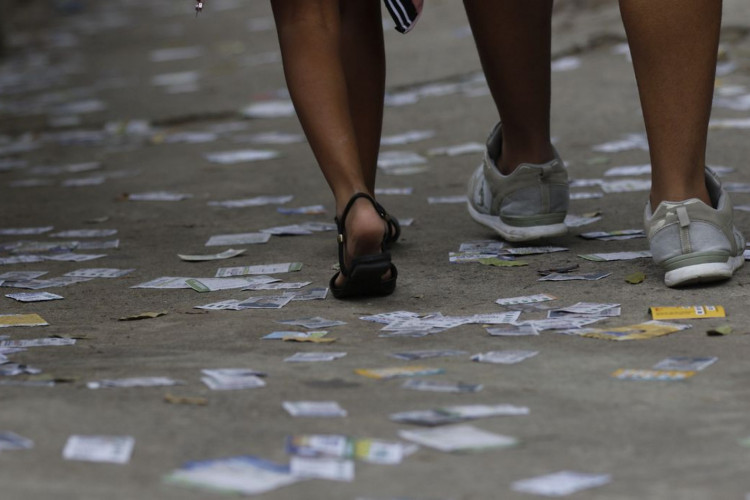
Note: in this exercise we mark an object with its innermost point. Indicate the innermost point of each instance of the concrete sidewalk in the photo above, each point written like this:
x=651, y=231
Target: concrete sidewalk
x=76, y=93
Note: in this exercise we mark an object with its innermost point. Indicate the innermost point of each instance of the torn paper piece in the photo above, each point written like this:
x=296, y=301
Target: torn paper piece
x=462, y=438
x=108, y=449
x=238, y=239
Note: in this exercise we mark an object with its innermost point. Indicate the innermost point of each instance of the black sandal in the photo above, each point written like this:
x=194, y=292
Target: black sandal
x=364, y=277
x=394, y=228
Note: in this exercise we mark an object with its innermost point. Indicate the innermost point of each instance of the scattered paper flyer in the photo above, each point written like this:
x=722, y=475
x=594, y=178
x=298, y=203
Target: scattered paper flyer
x=26, y=343
x=621, y=234
x=406, y=137
x=588, y=309
x=455, y=414
x=665, y=375
x=238, y=239
x=512, y=331
x=84, y=233
x=165, y=283
x=21, y=275
x=269, y=109
x=312, y=357
x=229, y=379
x=389, y=159
x=215, y=284
x=12, y=441
x=687, y=312
x=628, y=170
x=398, y=371
x=7, y=320
x=609, y=257
x=241, y=156
x=226, y=254
x=282, y=335
x=572, y=220
x=440, y=386
x=457, y=150
x=315, y=323
x=99, y=273
x=278, y=286
x=566, y=64
x=268, y=302
x=573, y=277
x=504, y=357
x=427, y=354
x=33, y=296
x=285, y=267
x=344, y=447
x=158, y=196
x=434, y=200
x=73, y=257
x=333, y=469
x=685, y=363
x=246, y=475
x=307, y=210
x=24, y=231
x=133, y=382
x=641, y=331
x=257, y=201
x=314, y=409
x=457, y=438
x=626, y=186
x=271, y=138
x=561, y=483
x=109, y=449
x=628, y=142
x=394, y=191
x=529, y=299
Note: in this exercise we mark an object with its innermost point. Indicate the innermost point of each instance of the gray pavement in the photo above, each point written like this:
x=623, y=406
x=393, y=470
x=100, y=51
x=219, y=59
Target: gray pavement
x=658, y=440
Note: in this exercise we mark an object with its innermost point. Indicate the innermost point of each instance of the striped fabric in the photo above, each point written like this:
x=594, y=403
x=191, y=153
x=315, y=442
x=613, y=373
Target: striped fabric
x=405, y=13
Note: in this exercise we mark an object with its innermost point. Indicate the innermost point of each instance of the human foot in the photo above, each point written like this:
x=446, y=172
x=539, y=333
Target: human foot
x=365, y=267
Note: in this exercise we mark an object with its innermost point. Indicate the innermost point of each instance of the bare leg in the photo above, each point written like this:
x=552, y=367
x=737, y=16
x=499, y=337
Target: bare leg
x=320, y=80
x=674, y=46
x=513, y=39
x=363, y=56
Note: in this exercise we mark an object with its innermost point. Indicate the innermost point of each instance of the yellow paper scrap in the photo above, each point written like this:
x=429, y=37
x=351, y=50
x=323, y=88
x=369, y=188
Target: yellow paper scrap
x=21, y=320
x=687, y=312
x=145, y=315
x=641, y=331
x=311, y=340
x=630, y=374
x=495, y=262
x=398, y=371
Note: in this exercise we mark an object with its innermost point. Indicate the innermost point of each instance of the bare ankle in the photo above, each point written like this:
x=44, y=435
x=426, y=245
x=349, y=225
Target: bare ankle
x=510, y=159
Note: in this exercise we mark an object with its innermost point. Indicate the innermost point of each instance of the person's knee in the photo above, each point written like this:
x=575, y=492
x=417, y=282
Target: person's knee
x=321, y=15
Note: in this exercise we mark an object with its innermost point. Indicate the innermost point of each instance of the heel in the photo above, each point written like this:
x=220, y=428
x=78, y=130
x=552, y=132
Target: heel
x=364, y=276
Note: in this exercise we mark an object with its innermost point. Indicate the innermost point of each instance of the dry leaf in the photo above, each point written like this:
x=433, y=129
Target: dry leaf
x=312, y=340
x=145, y=315
x=635, y=278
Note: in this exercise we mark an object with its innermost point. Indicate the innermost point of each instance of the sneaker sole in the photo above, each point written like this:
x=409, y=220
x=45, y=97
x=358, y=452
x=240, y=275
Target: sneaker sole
x=703, y=273
x=516, y=233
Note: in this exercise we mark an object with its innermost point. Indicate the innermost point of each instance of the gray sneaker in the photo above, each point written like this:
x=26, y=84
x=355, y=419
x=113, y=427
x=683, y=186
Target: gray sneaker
x=528, y=204
x=693, y=242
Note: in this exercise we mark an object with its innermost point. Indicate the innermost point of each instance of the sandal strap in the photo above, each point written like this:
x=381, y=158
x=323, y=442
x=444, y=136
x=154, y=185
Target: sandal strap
x=341, y=224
